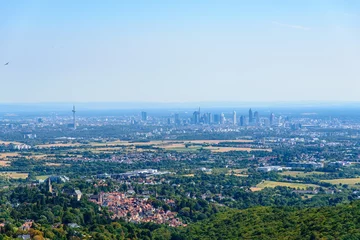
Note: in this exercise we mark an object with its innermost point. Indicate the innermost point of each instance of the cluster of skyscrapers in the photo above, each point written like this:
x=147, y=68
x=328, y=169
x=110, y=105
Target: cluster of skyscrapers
x=253, y=119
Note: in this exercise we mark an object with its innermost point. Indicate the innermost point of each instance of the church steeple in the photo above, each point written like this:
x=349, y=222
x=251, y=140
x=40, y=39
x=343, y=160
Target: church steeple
x=49, y=186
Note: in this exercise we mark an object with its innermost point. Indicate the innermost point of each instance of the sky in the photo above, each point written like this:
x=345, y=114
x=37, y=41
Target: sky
x=179, y=51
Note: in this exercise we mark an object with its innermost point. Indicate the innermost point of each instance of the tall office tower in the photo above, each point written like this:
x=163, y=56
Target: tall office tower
x=169, y=121
x=143, y=116
x=234, y=118
x=216, y=118
x=256, y=117
x=74, y=117
x=177, y=119
x=272, y=118
x=222, y=118
x=196, y=117
x=209, y=118
x=242, y=120
x=250, y=116
x=204, y=118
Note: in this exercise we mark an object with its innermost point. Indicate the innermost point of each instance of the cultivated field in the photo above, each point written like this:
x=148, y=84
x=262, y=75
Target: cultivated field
x=9, y=142
x=272, y=184
x=8, y=154
x=14, y=175
x=349, y=181
x=4, y=163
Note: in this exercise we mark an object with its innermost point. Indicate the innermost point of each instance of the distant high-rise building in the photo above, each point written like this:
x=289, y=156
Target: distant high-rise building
x=250, y=116
x=169, y=121
x=204, y=118
x=272, y=118
x=209, y=118
x=242, y=120
x=177, y=119
x=256, y=117
x=144, y=116
x=222, y=118
x=234, y=118
x=216, y=118
x=196, y=117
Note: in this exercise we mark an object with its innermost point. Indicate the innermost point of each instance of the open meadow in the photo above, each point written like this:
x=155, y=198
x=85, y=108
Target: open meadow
x=349, y=181
x=14, y=175
x=272, y=184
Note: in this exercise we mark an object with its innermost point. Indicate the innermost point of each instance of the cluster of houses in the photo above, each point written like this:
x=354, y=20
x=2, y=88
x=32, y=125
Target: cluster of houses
x=133, y=209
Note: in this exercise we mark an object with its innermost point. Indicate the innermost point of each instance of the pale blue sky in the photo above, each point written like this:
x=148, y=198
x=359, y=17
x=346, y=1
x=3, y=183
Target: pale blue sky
x=179, y=51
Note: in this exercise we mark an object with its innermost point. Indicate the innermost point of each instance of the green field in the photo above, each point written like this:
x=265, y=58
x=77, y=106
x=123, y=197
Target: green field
x=14, y=175
x=273, y=184
x=300, y=173
x=183, y=149
x=42, y=177
x=349, y=181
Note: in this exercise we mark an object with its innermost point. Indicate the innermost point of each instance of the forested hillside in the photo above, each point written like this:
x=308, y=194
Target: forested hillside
x=340, y=222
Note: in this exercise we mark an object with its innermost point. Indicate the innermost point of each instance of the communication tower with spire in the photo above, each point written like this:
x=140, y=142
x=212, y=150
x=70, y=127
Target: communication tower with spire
x=74, y=117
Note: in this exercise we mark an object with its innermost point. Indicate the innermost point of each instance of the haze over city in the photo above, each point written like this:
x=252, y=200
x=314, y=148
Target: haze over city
x=137, y=51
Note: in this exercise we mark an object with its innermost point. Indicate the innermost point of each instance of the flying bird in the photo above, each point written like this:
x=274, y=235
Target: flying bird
x=6, y=63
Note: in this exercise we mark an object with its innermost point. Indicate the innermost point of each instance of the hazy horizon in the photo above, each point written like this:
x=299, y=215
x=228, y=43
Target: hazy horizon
x=183, y=106
x=185, y=51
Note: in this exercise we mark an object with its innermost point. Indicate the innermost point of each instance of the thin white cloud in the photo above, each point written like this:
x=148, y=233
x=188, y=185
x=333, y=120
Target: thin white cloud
x=291, y=26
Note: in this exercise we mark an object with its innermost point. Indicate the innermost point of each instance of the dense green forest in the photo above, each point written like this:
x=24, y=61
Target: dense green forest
x=339, y=222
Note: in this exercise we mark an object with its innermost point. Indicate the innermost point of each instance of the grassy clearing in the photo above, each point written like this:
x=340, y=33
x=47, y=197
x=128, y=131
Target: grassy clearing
x=53, y=164
x=38, y=156
x=273, y=184
x=14, y=175
x=300, y=173
x=189, y=175
x=42, y=177
x=237, y=174
x=349, y=181
x=307, y=196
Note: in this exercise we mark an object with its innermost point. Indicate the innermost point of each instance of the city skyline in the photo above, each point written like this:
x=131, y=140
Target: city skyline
x=219, y=120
